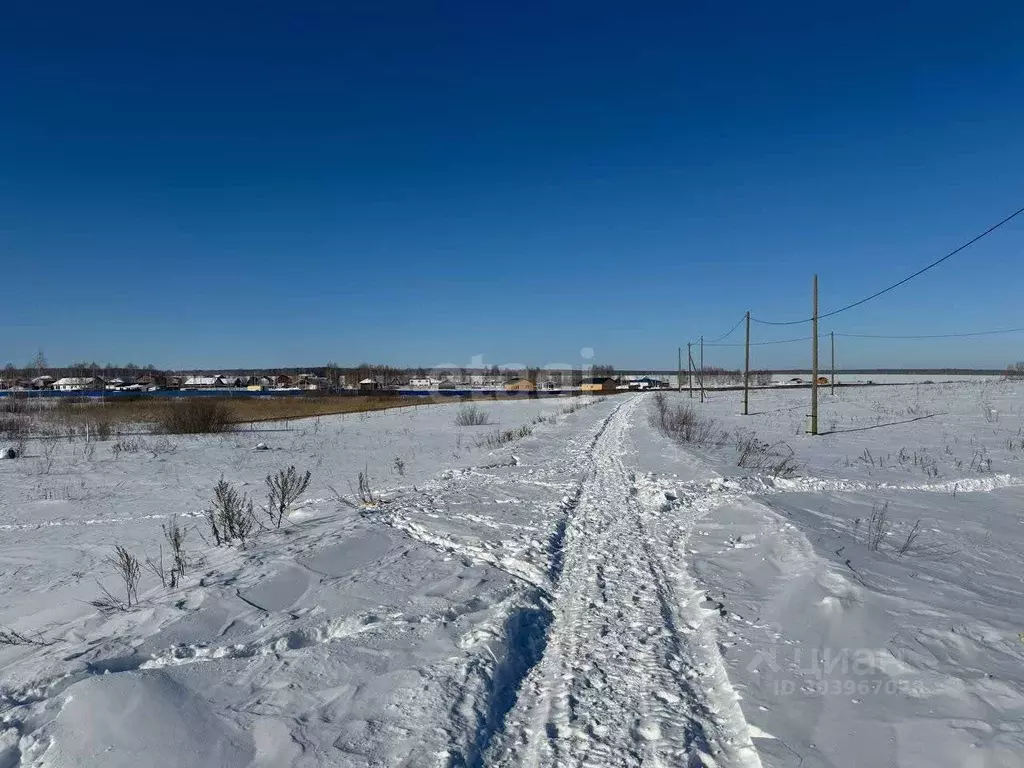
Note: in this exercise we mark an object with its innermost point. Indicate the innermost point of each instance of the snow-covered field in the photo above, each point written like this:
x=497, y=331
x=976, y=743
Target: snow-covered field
x=848, y=378
x=590, y=594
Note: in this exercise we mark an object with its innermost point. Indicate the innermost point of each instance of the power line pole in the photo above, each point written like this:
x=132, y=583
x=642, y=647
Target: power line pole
x=746, y=371
x=702, y=369
x=689, y=369
x=814, y=361
x=679, y=375
x=833, y=384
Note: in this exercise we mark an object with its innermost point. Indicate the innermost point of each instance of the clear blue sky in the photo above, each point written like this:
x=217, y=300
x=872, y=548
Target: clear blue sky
x=219, y=184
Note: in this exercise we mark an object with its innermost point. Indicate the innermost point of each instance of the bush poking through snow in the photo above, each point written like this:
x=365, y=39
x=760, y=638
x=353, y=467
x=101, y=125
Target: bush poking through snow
x=14, y=427
x=471, y=416
x=283, y=490
x=175, y=536
x=129, y=569
x=910, y=541
x=777, y=460
x=126, y=445
x=362, y=497
x=501, y=437
x=366, y=495
x=878, y=526
x=232, y=516
x=195, y=416
x=181, y=563
x=10, y=636
x=685, y=425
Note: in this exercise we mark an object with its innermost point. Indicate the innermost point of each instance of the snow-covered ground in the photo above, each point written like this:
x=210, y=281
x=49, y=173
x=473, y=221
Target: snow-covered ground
x=590, y=594
x=847, y=378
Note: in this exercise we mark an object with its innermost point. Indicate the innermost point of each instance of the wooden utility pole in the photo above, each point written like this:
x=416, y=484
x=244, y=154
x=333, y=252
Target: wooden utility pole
x=833, y=380
x=702, y=369
x=746, y=371
x=689, y=369
x=679, y=374
x=814, y=361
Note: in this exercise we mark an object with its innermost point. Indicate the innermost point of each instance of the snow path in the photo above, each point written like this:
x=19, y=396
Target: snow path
x=630, y=674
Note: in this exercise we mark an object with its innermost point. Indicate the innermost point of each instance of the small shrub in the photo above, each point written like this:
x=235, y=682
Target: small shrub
x=14, y=427
x=181, y=563
x=911, y=540
x=13, y=404
x=99, y=430
x=471, y=416
x=501, y=437
x=366, y=495
x=48, y=450
x=683, y=424
x=129, y=569
x=10, y=636
x=777, y=460
x=126, y=445
x=283, y=490
x=160, y=446
x=232, y=516
x=878, y=526
x=195, y=416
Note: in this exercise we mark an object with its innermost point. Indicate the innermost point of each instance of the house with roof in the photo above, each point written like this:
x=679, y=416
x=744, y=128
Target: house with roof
x=424, y=383
x=598, y=384
x=78, y=383
x=202, y=382
x=646, y=382
x=520, y=385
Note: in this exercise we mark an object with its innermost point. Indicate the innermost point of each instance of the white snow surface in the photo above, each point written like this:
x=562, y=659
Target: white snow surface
x=593, y=594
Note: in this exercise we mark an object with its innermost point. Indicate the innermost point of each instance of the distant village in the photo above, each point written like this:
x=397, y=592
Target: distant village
x=363, y=379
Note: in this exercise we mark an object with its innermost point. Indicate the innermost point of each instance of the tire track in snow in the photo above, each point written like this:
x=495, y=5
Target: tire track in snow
x=622, y=678
x=489, y=690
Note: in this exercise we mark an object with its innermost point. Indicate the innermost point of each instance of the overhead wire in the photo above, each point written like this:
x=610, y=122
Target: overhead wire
x=931, y=335
x=727, y=334
x=906, y=279
x=763, y=343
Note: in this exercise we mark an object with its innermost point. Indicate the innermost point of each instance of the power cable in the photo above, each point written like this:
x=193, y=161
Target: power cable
x=727, y=333
x=907, y=279
x=764, y=343
x=932, y=335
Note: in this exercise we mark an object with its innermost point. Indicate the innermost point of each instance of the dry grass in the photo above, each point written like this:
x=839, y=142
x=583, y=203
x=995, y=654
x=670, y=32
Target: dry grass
x=71, y=418
x=77, y=416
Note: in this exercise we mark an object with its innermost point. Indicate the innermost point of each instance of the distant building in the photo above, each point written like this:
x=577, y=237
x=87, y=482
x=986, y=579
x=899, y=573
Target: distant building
x=78, y=383
x=421, y=383
x=369, y=384
x=646, y=382
x=43, y=382
x=520, y=385
x=152, y=380
x=599, y=384
x=202, y=382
